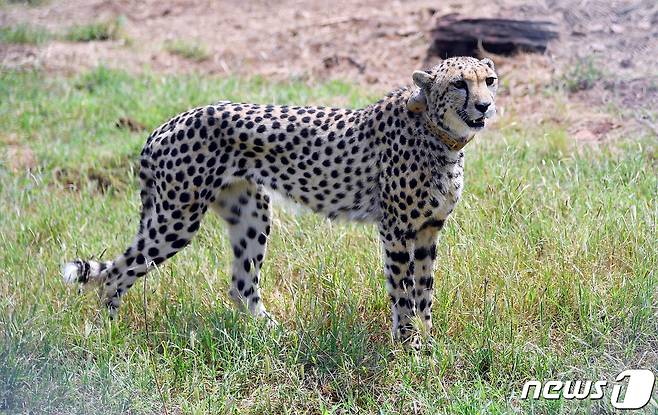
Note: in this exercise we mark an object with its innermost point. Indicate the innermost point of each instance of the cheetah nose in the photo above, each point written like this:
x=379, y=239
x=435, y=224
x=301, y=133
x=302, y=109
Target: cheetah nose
x=482, y=107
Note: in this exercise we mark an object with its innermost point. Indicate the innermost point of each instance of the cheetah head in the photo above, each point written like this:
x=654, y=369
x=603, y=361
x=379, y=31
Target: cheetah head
x=458, y=95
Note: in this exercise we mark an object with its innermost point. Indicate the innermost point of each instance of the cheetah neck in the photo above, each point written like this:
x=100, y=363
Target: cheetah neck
x=452, y=143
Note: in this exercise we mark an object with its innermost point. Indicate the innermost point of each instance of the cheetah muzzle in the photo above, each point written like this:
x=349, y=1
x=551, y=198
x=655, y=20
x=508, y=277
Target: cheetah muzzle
x=397, y=163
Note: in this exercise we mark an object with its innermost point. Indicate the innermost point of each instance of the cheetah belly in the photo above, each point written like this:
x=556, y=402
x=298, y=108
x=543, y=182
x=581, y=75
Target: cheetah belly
x=334, y=190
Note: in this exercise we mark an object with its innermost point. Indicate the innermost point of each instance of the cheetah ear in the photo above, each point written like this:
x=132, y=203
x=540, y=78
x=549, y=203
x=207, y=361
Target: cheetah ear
x=418, y=100
x=489, y=63
x=422, y=79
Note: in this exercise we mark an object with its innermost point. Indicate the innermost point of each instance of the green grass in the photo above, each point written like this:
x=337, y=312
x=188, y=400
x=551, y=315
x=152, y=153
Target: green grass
x=26, y=2
x=103, y=30
x=194, y=51
x=96, y=31
x=546, y=271
x=582, y=75
x=24, y=34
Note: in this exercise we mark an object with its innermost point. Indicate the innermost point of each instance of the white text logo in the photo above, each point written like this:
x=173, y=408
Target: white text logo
x=637, y=388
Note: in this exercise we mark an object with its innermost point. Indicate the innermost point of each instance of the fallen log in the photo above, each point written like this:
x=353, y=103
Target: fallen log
x=454, y=36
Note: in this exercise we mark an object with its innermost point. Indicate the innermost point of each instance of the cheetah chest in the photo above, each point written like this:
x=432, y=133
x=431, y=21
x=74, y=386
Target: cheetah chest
x=446, y=190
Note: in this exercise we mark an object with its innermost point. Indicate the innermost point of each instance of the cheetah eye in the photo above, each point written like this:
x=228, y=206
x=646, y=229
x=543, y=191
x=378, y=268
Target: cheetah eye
x=459, y=84
x=490, y=80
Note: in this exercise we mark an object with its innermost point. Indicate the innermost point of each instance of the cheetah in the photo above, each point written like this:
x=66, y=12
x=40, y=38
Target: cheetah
x=397, y=163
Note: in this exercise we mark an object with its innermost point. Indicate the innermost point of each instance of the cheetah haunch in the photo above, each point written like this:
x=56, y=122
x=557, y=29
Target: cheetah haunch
x=398, y=163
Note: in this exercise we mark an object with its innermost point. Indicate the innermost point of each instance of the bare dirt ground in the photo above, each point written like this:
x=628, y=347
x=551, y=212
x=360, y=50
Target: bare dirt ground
x=605, y=59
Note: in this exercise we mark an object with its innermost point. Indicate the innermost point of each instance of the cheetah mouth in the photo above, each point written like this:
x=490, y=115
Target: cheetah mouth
x=472, y=123
x=476, y=123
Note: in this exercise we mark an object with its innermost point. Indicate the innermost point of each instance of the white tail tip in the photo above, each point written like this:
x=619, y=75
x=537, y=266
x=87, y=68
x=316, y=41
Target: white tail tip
x=70, y=273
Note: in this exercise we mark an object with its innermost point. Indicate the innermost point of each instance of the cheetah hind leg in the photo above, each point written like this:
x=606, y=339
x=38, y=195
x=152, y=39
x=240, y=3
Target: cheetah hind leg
x=246, y=209
x=156, y=241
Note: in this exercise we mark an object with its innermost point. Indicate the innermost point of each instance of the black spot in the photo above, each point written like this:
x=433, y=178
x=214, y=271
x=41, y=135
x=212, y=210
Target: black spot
x=399, y=257
x=179, y=243
x=421, y=253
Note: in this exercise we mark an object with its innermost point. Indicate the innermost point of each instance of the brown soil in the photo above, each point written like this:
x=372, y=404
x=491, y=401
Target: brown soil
x=606, y=49
x=15, y=155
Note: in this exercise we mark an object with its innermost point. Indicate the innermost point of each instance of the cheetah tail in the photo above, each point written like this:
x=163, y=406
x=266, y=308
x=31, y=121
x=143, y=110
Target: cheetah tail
x=84, y=272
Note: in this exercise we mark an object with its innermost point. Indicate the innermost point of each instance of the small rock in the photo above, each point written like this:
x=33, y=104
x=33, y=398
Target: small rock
x=597, y=47
x=644, y=25
x=615, y=28
x=626, y=63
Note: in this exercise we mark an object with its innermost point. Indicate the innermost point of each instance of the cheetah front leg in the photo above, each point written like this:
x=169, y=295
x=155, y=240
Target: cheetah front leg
x=399, y=271
x=424, y=256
